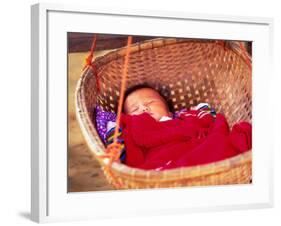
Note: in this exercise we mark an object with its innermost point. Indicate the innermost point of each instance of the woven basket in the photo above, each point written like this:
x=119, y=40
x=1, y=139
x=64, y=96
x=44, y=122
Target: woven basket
x=187, y=72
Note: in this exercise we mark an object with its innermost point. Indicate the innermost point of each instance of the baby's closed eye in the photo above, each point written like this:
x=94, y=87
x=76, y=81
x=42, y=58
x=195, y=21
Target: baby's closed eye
x=134, y=109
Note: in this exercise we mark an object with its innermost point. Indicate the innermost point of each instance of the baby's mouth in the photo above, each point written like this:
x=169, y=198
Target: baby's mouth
x=152, y=114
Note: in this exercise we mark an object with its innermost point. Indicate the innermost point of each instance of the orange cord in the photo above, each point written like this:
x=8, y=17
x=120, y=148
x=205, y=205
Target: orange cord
x=90, y=64
x=112, y=153
x=89, y=58
x=123, y=87
x=113, y=150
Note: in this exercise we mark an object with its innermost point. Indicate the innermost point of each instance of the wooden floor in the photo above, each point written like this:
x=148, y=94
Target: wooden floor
x=84, y=173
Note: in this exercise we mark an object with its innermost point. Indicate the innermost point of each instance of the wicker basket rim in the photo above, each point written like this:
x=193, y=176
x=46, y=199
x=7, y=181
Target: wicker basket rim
x=188, y=171
x=158, y=42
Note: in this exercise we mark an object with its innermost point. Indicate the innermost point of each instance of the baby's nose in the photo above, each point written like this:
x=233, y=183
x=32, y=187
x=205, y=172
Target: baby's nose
x=145, y=108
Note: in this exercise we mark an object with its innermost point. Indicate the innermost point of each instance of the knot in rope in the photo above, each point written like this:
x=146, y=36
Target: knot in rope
x=88, y=61
x=113, y=151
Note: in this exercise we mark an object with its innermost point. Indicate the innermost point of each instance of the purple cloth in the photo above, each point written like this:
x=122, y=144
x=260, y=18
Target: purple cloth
x=102, y=118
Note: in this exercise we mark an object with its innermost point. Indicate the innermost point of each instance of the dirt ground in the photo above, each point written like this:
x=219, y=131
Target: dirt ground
x=84, y=172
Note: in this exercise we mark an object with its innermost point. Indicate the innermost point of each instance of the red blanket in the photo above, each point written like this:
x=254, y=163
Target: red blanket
x=186, y=141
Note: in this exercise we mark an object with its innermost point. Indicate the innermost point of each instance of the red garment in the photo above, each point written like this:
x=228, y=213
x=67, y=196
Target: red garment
x=185, y=141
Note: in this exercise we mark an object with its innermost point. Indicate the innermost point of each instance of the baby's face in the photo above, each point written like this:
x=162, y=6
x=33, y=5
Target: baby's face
x=146, y=100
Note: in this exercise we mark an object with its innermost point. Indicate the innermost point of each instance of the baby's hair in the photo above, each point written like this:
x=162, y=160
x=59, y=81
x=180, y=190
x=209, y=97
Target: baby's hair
x=143, y=86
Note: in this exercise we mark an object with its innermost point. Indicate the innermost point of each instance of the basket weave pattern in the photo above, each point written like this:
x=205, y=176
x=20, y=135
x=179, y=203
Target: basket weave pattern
x=187, y=72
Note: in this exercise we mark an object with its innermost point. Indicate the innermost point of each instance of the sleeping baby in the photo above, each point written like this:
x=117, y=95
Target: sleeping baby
x=155, y=140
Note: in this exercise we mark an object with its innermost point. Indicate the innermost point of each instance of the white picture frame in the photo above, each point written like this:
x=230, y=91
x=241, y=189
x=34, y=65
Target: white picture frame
x=50, y=200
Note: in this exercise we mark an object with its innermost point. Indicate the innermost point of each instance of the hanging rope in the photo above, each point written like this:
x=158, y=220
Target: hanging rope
x=122, y=90
x=113, y=150
x=90, y=64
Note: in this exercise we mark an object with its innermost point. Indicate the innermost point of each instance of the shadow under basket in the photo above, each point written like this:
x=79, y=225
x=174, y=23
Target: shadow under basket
x=187, y=72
